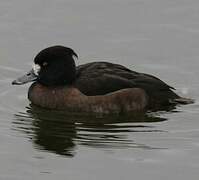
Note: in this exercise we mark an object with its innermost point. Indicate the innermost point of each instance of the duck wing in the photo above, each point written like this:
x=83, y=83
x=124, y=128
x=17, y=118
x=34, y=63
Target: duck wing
x=98, y=78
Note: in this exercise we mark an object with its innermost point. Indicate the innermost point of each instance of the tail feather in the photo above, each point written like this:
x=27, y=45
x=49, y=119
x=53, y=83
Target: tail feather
x=182, y=100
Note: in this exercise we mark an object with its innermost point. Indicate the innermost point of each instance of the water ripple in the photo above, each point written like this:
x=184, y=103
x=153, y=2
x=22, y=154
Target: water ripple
x=60, y=132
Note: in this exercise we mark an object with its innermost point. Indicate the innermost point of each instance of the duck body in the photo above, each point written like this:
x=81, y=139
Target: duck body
x=98, y=87
x=71, y=99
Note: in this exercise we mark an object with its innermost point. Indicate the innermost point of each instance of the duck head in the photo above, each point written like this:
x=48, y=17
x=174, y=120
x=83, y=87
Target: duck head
x=53, y=66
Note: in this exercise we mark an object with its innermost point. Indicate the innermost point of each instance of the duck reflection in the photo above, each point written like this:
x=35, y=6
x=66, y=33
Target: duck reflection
x=61, y=133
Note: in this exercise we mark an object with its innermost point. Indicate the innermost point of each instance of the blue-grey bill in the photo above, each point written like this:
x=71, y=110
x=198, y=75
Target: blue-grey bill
x=29, y=77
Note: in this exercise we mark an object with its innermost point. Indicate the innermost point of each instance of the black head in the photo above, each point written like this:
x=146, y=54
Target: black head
x=53, y=66
x=57, y=66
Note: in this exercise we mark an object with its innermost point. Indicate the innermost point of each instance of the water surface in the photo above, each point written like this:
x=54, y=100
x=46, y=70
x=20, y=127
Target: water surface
x=153, y=36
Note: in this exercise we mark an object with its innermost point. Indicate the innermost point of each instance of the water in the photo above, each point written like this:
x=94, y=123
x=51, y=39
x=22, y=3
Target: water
x=153, y=36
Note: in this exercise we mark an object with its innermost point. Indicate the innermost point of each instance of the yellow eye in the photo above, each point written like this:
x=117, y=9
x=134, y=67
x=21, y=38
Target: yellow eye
x=45, y=64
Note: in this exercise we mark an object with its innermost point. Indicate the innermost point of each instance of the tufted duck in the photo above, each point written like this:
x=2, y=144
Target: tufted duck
x=97, y=87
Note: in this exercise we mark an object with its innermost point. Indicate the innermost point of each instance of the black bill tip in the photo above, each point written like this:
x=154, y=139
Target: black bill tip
x=16, y=82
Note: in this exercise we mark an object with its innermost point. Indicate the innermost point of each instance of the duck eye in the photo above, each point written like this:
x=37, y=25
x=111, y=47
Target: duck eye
x=45, y=64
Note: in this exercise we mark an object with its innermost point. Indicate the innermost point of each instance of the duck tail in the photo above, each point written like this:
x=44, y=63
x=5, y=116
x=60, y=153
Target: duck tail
x=181, y=100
